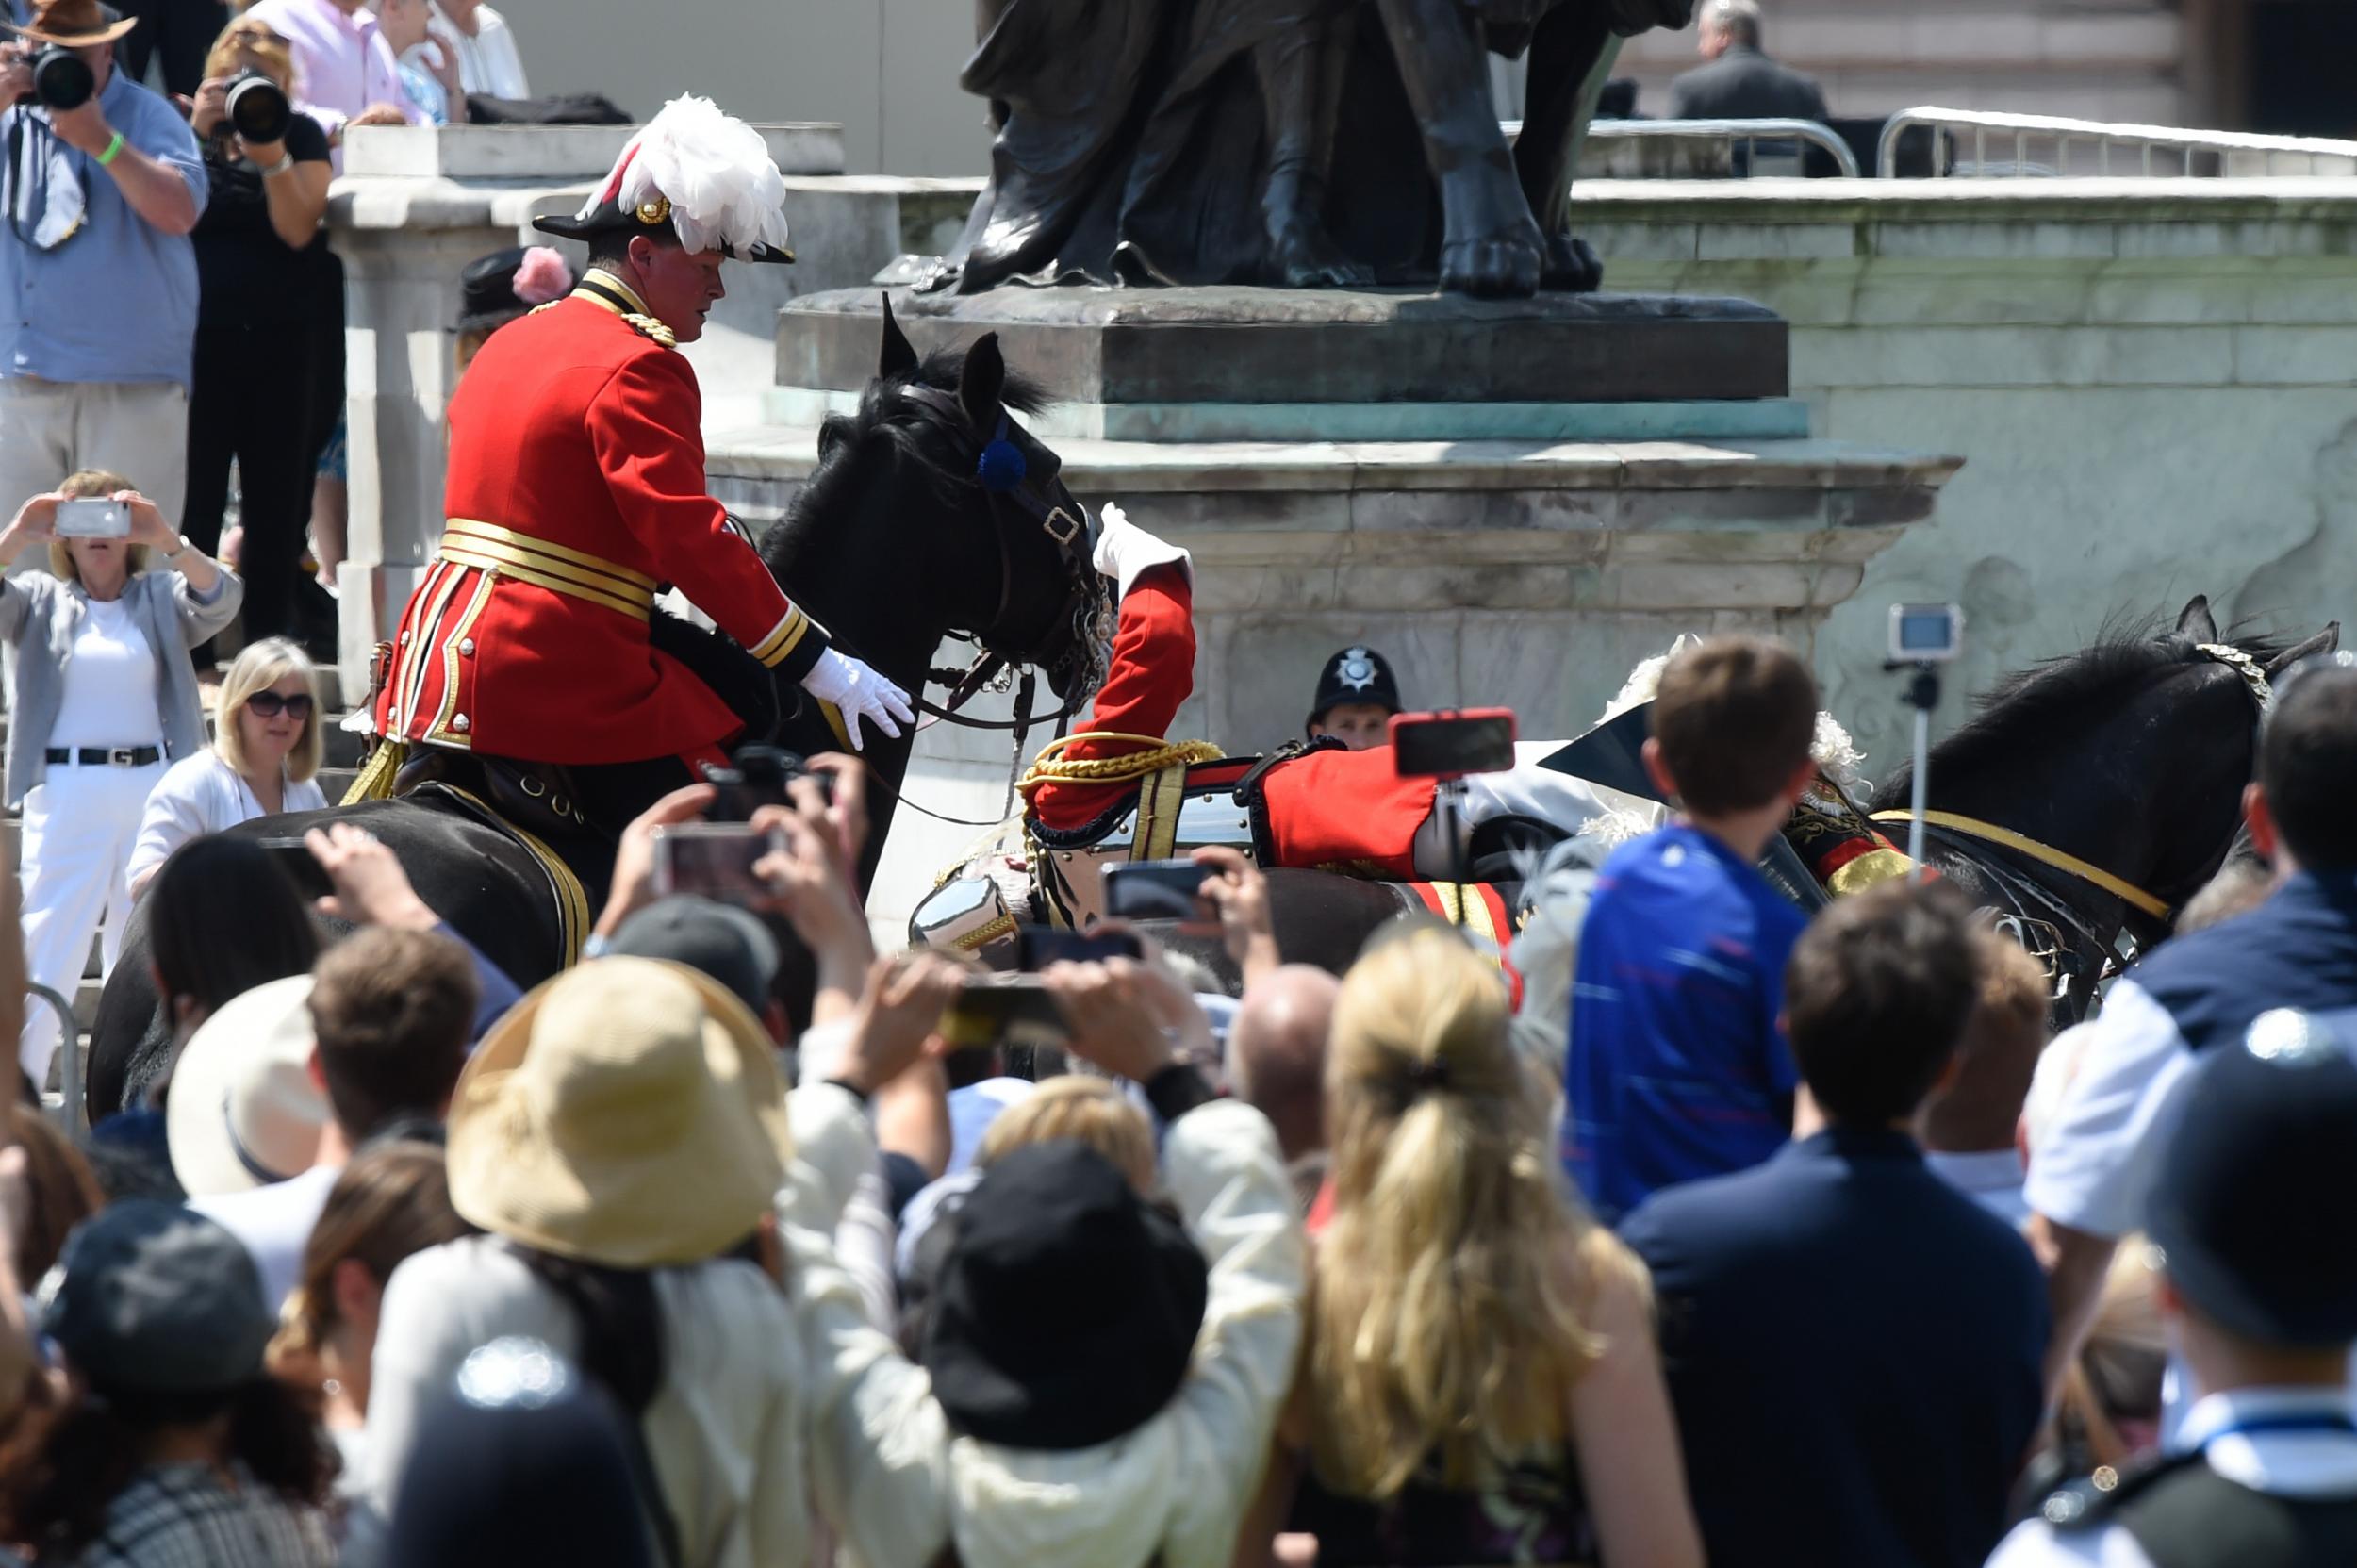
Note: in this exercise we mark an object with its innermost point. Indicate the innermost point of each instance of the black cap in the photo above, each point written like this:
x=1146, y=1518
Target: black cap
x=156, y=1299
x=1357, y=674
x=526, y=1462
x=718, y=940
x=2246, y=1208
x=1066, y=1310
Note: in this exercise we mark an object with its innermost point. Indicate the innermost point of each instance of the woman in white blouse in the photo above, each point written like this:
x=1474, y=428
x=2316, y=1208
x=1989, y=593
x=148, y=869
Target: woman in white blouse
x=102, y=695
x=264, y=759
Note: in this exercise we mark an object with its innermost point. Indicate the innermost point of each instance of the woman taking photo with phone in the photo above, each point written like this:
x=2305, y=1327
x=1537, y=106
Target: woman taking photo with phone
x=102, y=698
x=264, y=758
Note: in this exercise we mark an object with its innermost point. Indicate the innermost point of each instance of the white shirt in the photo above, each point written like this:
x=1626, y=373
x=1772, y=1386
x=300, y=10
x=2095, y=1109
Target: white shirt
x=2285, y=1464
x=200, y=794
x=1990, y=1178
x=276, y=1223
x=343, y=63
x=2093, y=1164
x=488, y=62
x=110, y=681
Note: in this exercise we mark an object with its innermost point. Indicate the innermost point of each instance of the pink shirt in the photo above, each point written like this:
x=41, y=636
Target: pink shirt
x=343, y=63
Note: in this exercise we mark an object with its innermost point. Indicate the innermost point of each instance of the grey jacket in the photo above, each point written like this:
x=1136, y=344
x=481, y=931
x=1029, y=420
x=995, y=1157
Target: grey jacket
x=38, y=618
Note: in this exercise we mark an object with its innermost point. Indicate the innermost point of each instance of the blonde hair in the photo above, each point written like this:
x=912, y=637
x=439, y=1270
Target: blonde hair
x=251, y=36
x=261, y=667
x=1454, y=1278
x=90, y=483
x=1086, y=1110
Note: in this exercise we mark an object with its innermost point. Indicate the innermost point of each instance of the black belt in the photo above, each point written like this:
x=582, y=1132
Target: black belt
x=106, y=756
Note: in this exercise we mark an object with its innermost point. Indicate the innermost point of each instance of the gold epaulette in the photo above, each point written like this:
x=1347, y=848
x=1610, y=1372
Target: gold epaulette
x=648, y=327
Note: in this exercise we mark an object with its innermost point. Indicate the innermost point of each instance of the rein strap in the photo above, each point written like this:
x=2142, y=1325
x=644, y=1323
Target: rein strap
x=1990, y=833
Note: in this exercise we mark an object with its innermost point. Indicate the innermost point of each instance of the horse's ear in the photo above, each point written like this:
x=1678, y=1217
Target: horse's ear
x=2326, y=641
x=2195, y=623
x=898, y=357
x=982, y=382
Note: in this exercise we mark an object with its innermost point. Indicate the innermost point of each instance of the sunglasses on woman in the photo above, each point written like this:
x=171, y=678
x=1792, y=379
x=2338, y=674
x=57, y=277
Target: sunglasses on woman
x=270, y=705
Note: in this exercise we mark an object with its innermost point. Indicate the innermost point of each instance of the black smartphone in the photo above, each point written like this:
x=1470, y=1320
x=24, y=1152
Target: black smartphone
x=302, y=867
x=1451, y=745
x=1037, y=947
x=987, y=1008
x=1158, y=890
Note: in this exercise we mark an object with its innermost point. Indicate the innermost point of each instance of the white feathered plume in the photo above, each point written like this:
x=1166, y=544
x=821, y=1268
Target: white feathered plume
x=716, y=172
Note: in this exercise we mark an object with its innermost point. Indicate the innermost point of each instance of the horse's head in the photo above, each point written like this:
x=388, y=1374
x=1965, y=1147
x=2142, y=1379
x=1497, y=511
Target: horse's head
x=2132, y=754
x=933, y=510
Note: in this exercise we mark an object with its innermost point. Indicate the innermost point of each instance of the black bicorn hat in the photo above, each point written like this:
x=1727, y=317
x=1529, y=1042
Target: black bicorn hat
x=739, y=208
x=1357, y=674
x=1066, y=1313
x=2245, y=1209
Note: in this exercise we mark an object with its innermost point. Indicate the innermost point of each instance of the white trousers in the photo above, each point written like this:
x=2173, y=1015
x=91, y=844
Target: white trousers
x=49, y=429
x=79, y=826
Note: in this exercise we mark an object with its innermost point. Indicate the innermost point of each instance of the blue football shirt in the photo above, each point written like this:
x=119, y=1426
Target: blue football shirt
x=1676, y=1068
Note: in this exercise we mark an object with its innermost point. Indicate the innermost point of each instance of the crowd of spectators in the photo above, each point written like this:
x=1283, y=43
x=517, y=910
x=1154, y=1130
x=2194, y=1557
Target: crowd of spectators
x=667, y=1262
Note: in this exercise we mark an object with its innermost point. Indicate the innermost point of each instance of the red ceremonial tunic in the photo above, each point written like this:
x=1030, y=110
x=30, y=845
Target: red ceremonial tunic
x=577, y=491
x=1329, y=808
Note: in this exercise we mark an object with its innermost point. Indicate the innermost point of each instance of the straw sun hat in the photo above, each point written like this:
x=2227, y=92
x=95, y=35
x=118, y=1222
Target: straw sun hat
x=628, y=1113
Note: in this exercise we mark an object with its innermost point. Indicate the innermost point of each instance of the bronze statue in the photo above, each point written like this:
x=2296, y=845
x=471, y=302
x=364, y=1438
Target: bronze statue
x=1275, y=141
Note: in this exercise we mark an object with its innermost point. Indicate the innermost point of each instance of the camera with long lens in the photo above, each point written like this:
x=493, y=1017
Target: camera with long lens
x=62, y=78
x=257, y=107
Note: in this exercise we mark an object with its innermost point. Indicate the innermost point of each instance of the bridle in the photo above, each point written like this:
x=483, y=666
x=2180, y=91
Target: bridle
x=1018, y=503
x=2036, y=901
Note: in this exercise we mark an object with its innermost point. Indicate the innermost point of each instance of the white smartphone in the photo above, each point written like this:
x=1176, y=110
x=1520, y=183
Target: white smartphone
x=93, y=518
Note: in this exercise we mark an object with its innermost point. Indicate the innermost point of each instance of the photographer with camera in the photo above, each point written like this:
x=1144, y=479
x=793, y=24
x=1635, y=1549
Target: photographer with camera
x=263, y=261
x=101, y=184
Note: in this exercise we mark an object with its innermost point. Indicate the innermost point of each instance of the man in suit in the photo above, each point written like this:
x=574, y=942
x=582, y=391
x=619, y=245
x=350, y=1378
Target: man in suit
x=1853, y=1346
x=1740, y=82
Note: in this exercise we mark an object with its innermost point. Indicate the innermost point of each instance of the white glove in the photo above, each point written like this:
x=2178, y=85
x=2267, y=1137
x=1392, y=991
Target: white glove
x=1125, y=552
x=861, y=693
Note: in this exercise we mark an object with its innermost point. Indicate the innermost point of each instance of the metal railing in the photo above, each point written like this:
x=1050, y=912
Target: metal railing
x=2093, y=147
x=1779, y=136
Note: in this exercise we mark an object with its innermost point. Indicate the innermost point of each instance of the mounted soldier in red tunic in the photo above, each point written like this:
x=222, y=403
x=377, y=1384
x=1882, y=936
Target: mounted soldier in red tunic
x=576, y=494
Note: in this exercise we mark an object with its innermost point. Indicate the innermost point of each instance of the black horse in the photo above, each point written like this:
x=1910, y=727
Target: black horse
x=893, y=543
x=2129, y=758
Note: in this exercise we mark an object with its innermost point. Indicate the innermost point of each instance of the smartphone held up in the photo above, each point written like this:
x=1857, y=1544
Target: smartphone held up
x=92, y=518
x=1453, y=744
x=714, y=860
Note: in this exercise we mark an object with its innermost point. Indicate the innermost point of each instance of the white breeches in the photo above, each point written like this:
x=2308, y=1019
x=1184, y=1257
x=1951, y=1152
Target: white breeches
x=79, y=826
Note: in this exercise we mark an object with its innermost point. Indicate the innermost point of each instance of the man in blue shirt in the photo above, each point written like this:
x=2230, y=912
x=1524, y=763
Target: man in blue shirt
x=1677, y=1068
x=1852, y=1346
x=98, y=288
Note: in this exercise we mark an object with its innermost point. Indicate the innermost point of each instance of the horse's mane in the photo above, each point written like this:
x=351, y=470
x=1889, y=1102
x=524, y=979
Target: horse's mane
x=913, y=428
x=2012, y=717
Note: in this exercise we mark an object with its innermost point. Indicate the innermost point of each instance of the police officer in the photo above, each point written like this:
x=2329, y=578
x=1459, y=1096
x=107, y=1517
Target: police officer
x=1356, y=699
x=2256, y=1241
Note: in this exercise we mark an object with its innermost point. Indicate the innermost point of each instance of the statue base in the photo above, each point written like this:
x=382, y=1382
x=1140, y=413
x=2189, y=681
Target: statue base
x=1515, y=502
x=1156, y=350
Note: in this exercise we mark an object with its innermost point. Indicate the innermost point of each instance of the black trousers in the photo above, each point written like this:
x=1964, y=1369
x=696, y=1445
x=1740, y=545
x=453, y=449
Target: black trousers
x=250, y=400
x=182, y=31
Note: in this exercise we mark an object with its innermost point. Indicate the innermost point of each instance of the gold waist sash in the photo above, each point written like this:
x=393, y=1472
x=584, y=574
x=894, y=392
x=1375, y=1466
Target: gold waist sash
x=559, y=568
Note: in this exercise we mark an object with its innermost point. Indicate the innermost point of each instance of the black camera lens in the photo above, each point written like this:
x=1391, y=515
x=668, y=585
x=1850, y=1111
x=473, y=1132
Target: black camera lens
x=258, y=108
x=61, y=80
